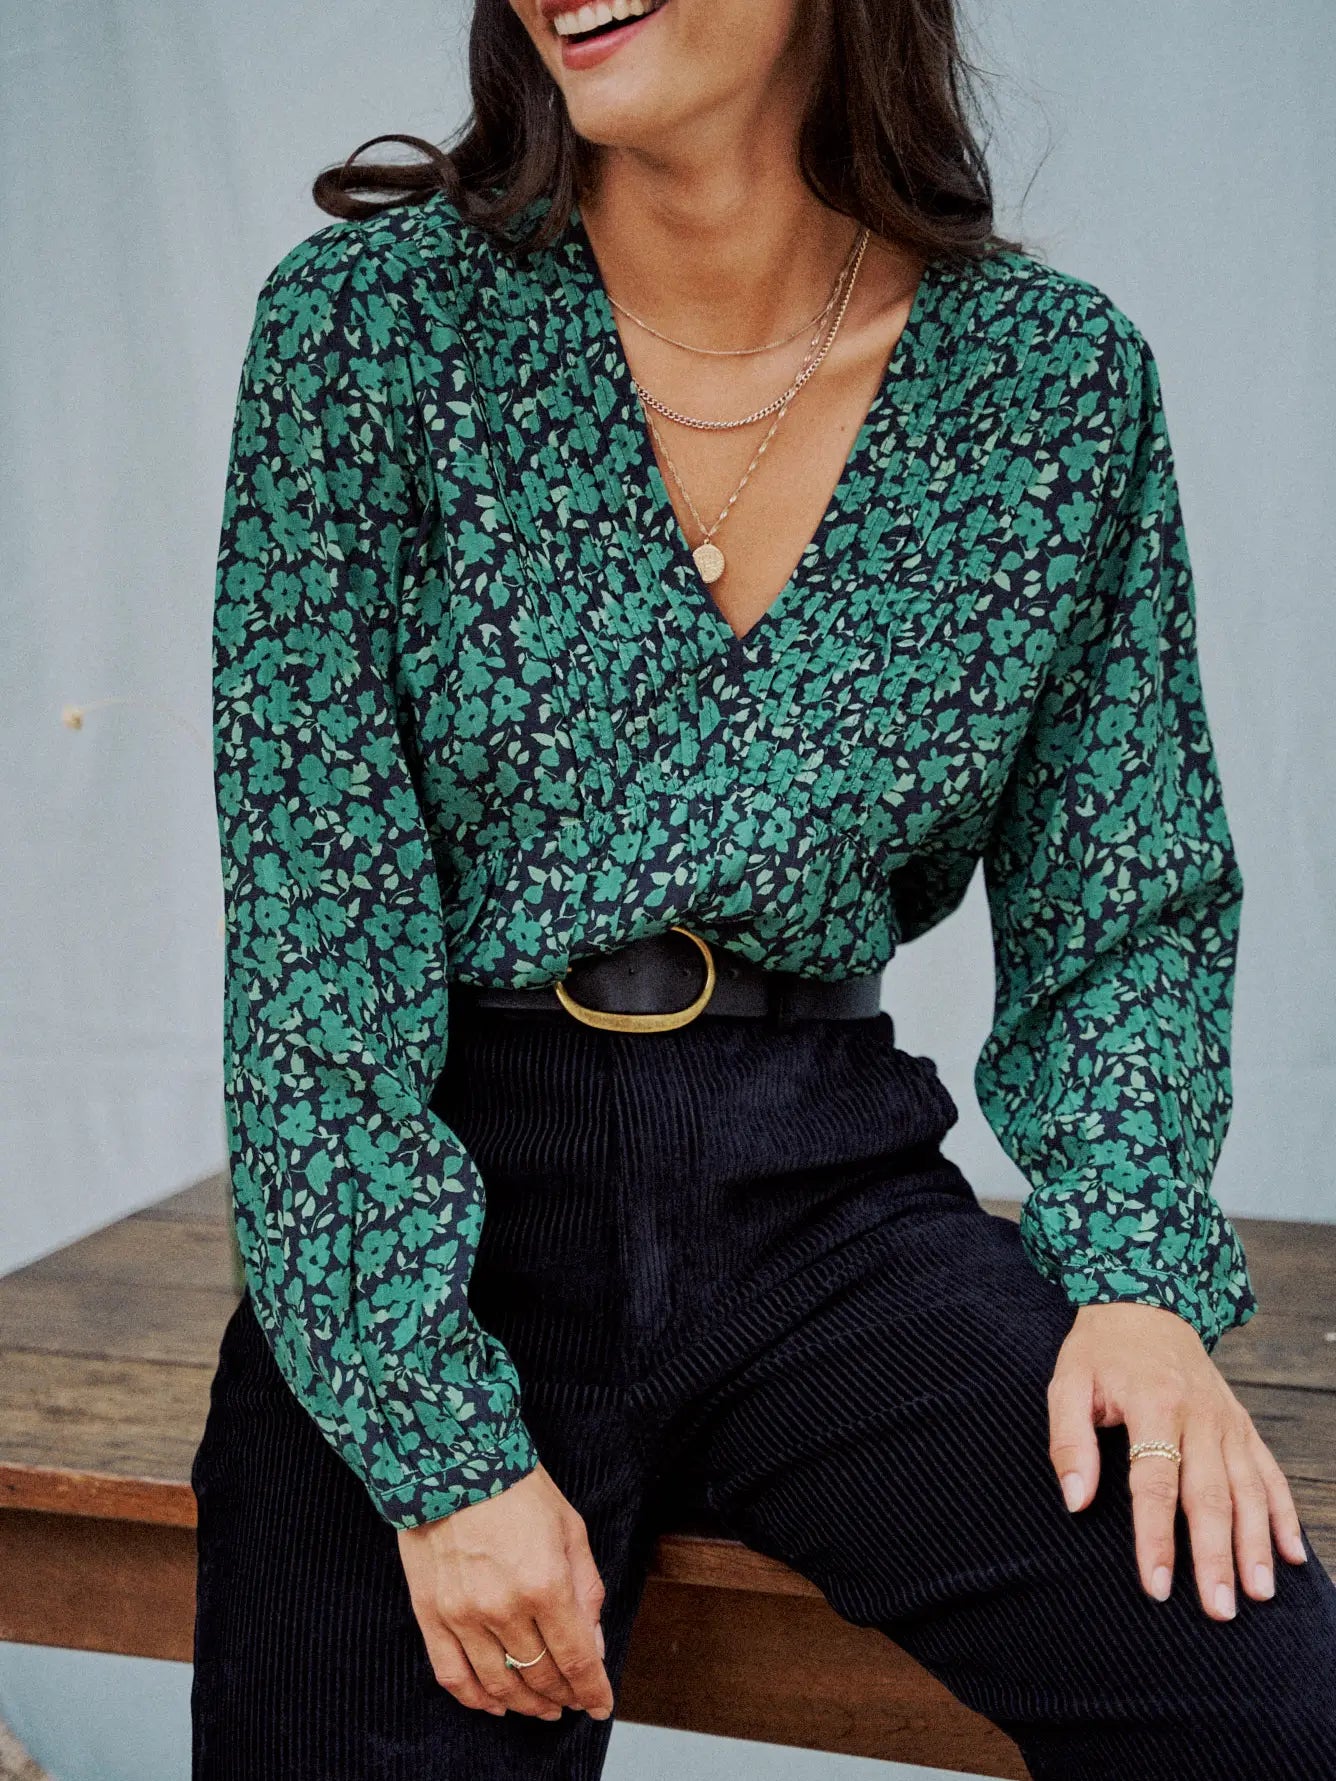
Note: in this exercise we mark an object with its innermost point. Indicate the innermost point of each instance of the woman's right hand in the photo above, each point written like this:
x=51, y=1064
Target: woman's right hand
x=511, y=1573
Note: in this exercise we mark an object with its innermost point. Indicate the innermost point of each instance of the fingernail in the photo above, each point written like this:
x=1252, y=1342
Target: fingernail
x=600, y=1641
x=1263, y=1580
x=599, y=1712
x=1073, y=1488
x=1161, y=1583
x=554, y=1714
x=1224, y=1600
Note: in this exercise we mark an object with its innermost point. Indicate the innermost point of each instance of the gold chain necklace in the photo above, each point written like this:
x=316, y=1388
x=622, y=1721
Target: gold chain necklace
x=786, y=396
x=707, y=556
x=728, y=352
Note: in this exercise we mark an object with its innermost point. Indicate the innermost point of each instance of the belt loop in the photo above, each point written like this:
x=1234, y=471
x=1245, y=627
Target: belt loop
x=783, y=1004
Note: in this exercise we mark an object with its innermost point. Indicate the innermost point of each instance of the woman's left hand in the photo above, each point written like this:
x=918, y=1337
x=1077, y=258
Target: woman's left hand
x=1146, y=1367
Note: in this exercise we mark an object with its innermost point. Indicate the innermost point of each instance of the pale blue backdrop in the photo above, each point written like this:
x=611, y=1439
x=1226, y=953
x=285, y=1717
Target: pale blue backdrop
x=160, y=156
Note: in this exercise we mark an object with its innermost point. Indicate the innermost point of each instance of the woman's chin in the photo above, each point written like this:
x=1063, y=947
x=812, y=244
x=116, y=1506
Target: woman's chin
x=629, y=120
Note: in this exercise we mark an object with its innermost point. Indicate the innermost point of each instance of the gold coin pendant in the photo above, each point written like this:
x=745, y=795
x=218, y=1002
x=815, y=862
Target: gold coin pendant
x=709, y=559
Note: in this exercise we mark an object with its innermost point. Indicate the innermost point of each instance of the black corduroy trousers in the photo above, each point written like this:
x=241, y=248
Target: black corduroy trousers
x=734, y=1269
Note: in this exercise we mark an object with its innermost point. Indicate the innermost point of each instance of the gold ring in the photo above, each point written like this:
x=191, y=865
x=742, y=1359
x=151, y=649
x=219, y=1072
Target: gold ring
x=1155, y=1449
x=644, y=1023
x=513, y=1663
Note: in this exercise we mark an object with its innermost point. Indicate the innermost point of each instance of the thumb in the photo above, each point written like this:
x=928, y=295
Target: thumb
x=1072, y=1444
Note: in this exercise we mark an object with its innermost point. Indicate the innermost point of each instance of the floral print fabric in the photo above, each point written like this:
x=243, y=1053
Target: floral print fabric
x=476, y=714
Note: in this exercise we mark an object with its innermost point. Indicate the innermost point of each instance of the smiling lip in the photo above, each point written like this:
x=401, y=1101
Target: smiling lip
x=594, y=50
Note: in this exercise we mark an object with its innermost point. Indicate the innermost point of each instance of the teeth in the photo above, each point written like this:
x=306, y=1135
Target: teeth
x=588, y=18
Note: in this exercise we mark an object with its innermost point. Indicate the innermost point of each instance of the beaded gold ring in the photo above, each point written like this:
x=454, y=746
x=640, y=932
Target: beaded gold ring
x=1155, y=1449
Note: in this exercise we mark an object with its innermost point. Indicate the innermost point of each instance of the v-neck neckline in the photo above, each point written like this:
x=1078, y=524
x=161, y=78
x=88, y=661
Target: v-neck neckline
x=657, y=510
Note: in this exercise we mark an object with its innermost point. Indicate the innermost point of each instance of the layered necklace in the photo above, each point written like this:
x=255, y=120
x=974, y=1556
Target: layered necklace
x=706, y=555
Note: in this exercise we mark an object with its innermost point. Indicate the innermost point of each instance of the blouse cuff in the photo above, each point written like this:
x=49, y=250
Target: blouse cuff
x=1211, y=1290
x=483, y=1473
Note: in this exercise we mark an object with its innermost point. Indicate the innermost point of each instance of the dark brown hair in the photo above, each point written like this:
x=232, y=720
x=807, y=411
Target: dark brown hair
x=887, y=137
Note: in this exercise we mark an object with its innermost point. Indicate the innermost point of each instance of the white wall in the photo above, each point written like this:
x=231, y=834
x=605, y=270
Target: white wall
x=159, y=162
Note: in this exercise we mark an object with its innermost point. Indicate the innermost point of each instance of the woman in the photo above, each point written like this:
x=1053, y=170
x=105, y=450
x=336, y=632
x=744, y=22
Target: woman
x=623, y=750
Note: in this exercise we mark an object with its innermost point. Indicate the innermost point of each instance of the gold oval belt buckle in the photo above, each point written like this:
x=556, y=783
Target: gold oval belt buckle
x=645, y=1023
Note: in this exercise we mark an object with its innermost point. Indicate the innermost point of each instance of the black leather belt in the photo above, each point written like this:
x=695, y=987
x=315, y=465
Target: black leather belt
x=666, y=980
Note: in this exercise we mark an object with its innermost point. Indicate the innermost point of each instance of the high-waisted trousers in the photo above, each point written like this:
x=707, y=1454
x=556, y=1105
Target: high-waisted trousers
x=736, y=1273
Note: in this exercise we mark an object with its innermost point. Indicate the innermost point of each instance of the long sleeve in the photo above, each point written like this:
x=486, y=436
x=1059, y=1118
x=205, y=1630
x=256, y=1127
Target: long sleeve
x=1115, y=898
x=358, y=1212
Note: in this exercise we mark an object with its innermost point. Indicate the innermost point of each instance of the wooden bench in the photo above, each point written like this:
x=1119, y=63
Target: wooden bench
x=107, y=1348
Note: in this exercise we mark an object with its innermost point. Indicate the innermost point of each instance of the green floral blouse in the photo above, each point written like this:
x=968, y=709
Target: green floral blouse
x=476, y=714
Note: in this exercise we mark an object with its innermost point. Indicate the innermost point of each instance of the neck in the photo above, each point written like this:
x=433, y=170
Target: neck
x=719, y=248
